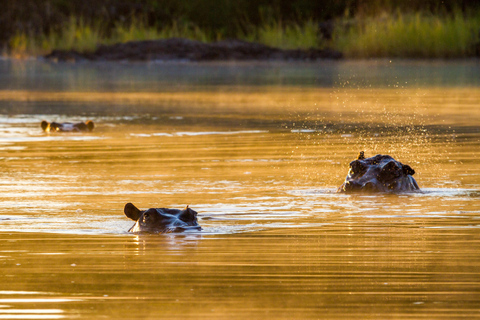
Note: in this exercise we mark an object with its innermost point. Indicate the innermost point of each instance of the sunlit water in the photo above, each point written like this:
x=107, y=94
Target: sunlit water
x=258, y=150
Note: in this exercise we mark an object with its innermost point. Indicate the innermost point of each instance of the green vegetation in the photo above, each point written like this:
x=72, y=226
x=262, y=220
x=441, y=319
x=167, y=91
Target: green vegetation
x=139, y=30
x=75, y=35
x=85, y=38
x=416, y=35
x=289, y=36
x=79, y=36
x=406, y=35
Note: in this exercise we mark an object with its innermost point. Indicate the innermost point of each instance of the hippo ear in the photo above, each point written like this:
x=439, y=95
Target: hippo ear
x=408, y=170
x=190, y=211
x=361, y=155
x=132, y=212
x=188, y=215
x=90, y=125
x=44, y=125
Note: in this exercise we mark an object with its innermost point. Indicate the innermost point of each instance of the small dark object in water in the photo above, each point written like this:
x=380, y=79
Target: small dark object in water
x=380, y=173
x=161, y=220
x=67, y=126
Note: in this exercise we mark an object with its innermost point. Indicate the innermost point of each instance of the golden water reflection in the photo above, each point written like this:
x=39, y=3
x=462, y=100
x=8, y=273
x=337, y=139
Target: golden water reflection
x=277, y=241
x=261, y=168
x=384, y=106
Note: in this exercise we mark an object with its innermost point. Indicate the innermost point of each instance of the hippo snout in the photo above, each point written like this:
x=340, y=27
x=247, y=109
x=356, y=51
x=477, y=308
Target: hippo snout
x=352, y=186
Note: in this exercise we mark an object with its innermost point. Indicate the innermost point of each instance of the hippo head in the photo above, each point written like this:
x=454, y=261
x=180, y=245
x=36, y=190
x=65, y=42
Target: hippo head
x=160, y=220
x=380, y=173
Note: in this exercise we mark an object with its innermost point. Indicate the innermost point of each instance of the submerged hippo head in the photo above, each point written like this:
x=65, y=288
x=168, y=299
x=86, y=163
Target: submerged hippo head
x=160, y=220
x=380, y=173
x=67, y=126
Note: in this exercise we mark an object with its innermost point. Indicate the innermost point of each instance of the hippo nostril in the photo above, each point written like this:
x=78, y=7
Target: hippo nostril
x=146, y=217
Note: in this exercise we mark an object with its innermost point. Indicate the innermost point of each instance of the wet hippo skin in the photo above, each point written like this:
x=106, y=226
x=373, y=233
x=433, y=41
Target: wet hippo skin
x=380, y=173
x=67, y=126
x=161, y=220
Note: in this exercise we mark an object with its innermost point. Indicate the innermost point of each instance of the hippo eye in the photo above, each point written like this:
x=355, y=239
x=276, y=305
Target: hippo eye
x=357, y=167
x=389, y=171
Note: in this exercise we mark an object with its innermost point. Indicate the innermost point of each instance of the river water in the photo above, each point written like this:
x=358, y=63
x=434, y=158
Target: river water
x=258, y=149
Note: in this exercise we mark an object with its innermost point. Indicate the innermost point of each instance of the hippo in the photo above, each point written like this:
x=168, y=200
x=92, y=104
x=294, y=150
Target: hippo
x=161, y=220
x=67, y=126
x=380, y=173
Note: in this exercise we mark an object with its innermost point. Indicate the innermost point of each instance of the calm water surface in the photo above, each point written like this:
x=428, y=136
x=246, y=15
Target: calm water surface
x=258, y=150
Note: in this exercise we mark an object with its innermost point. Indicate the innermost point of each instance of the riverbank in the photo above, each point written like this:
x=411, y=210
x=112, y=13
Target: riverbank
x=191, y=50
x=409, y=35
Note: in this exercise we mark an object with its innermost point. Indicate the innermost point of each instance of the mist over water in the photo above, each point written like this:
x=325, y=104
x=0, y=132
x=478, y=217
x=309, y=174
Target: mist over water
x=258, y=150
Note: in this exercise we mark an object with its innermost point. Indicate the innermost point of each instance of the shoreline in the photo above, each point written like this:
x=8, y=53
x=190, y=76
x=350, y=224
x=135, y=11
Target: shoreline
x=175, y=49
x=371, y=61
x=224, y=51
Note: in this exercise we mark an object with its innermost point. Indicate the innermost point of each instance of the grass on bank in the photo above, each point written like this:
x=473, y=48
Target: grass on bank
x=76, y=35
x=137, y=30
x=82, y=37
x=416, y=35
x=287, y=36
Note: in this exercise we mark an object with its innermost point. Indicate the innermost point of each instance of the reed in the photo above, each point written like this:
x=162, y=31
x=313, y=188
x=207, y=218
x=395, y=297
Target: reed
x=138, y=30
x=80, y=36
x=286, y=36
x=404, y=35
x=76, y=35
x=417, y=35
